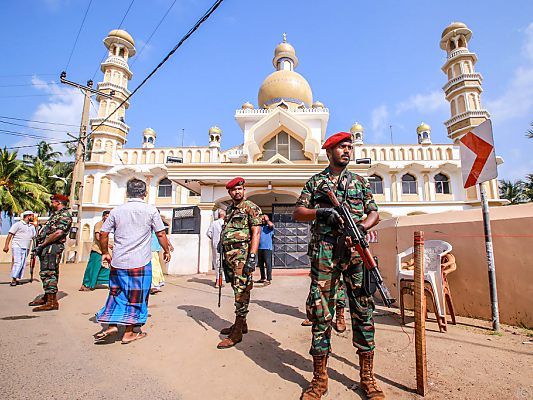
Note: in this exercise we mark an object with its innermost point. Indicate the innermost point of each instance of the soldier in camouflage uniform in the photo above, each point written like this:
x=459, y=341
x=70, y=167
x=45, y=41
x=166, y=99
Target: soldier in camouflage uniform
x=340, y=304
x=331, y=256
x=50, y=246
x=240, y=241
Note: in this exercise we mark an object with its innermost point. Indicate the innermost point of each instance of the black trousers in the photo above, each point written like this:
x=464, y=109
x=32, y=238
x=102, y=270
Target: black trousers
x=264, y=260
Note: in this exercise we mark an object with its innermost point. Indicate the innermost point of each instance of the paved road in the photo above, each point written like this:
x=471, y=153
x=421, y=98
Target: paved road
x=52, y=355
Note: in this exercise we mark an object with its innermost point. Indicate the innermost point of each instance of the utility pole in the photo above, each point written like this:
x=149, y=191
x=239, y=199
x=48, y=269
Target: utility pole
x=76, y=187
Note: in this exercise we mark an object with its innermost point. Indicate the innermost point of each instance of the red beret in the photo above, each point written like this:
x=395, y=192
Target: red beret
x=336, y=139
x=59, y=197
x=238, y=181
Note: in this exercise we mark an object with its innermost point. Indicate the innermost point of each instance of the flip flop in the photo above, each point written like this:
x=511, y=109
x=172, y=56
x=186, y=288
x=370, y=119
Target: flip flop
x=139, y=336
x=102, y=336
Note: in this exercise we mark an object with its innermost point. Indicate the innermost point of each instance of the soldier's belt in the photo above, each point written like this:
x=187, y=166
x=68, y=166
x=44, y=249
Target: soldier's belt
x=237, y=245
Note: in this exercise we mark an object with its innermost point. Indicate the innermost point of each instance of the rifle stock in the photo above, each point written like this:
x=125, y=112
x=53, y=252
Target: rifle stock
x=361, y=245
x=33, y=258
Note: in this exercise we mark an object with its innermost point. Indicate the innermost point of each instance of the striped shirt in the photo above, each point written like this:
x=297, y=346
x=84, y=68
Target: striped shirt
x=132, y=224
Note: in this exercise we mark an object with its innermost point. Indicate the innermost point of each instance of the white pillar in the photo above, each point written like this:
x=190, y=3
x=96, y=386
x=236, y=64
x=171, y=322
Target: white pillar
x=204, y=255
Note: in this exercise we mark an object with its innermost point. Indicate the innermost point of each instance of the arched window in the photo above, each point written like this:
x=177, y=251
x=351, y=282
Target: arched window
x=284, y=145
x=442, y=184
x=165, y=188
x=408, y=184
x=376, y=184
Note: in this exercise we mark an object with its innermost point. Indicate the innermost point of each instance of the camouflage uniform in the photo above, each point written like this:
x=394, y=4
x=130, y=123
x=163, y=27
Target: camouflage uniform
x=236, y=237
x=326, y=270
x=51, y=254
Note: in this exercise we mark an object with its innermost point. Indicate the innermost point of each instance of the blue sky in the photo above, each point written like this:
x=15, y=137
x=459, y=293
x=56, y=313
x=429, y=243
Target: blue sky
x=373, y=62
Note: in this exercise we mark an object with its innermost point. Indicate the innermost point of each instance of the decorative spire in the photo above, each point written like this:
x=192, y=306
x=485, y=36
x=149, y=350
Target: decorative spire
x=284, y=37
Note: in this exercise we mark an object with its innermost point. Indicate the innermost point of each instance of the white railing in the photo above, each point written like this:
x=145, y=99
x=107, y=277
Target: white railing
x=432, y=152
x=465, y=115
x=117, y=61
x=113, y=86
x=262, y=111
x=463, y=77
x=110, y=122
x=457, y=52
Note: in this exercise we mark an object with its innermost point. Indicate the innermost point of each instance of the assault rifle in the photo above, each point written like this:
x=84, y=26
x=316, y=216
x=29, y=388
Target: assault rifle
x=361, y=245
x=33, y=258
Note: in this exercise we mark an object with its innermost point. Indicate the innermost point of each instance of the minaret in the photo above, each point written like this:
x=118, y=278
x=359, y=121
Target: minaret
x=423, y=132
x=215, y=134
x=463, y=89
x=149, y=136
x=112, y=134
x=357, y=133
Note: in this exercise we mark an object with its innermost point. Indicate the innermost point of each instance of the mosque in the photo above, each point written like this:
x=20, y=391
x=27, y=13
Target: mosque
x=281, y=149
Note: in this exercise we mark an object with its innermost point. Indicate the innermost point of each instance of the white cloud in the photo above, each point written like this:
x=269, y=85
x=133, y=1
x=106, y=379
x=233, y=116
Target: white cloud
x=63, y=106
x=517, y=100
x=423, y=103
x=380, y=122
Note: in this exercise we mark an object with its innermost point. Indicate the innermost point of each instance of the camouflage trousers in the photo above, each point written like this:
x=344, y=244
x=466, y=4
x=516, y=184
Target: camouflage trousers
x=49, y=272
x=323, y=296
x=240, y=282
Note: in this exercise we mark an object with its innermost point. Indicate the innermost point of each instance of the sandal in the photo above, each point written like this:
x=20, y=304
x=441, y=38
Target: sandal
x=139, y=336
x=102, y=336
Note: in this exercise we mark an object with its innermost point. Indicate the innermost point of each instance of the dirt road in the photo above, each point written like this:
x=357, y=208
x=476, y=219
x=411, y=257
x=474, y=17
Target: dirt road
x=52, y=356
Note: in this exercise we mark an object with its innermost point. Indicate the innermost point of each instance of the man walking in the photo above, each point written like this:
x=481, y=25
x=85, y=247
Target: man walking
x=264, y=255
x=213, y=233
x=131, y=271
x=50, y=245
x=240, y=238
x=95, y=272
x=20, y=236
x=332, y=255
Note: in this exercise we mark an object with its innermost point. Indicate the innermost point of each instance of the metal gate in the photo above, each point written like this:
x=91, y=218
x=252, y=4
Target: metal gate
x=290, y=238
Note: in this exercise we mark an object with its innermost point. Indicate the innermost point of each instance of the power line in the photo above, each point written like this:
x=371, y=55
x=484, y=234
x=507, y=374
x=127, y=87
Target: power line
x=119, y=26
x=38, y=122
x=78, y=35
x=36, y=145
x=27, y=84
x=20, y=75
x=22, y=134
x=33, y=127
x=153, y=33
x=39, y=95
x=204, y=18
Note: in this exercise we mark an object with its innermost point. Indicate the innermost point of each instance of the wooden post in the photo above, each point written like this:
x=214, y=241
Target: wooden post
x=420, y=316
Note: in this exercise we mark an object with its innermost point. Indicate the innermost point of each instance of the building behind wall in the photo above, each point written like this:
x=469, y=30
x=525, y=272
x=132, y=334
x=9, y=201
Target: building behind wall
x=281, y=149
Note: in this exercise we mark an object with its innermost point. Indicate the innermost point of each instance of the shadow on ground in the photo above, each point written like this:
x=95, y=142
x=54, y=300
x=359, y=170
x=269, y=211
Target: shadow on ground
x=278, y=308
x=264, y=350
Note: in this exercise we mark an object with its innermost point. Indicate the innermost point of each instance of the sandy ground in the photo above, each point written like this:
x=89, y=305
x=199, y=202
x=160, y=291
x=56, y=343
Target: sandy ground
x=52, y=356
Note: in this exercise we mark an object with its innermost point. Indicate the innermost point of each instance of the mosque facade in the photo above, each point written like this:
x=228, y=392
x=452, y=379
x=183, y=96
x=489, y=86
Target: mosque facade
x=282, y=138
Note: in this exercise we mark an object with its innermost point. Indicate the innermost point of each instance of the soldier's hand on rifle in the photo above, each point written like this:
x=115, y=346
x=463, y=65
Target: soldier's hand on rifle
x=38, y=250
x=362, y=229
x=251, y=263
x=329, y=216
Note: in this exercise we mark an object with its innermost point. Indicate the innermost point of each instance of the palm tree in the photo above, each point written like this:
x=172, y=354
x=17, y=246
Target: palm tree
x=528, y=187
x=529, y=132
x=512, y=191
x=17, y=191
x=45, y=153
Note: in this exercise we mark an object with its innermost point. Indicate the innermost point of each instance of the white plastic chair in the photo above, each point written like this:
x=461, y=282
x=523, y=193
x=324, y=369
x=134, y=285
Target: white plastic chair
x=434, y=250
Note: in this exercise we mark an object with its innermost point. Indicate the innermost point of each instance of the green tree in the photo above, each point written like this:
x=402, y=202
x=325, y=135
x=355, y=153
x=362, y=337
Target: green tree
x=512, y=191
x=45, y=153
x=17, y=191
x=528, y=187
x=529, y=132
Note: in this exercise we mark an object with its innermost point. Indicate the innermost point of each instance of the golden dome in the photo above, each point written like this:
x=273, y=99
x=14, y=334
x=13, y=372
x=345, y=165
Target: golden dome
x=149, y=131
x=284, y=85
x=284, y=50
x=215, y=129
x=357, y=127
x=423, y=127
x=453, y=26
x=318, y=104
x=122, y=34
x=247, y=106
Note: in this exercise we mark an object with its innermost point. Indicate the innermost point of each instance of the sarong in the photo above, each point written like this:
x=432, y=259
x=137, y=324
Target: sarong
x=95, y=274
x=158, y=279
x=19, y=262
x=127, y=302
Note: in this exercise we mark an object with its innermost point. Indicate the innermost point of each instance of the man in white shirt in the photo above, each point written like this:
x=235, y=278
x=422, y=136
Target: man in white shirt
x=131, y=270
x=213, y=233
x=20, y=236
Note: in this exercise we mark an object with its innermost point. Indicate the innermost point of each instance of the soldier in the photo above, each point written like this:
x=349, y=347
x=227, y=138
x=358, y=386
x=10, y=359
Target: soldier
x=331, y=256
x=50, y=246
x=340, y=323
x=240, y=241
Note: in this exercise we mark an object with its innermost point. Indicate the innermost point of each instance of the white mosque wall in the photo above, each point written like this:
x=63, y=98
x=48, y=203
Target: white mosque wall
x=185, y=257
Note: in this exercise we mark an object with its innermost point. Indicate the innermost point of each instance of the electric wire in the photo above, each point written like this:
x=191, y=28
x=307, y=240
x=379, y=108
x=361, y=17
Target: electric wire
x=36, y=145
x=78, y=35
x=38, y=95
x=119, y=26
x=22, y=134
x=33, y=127
x=21, y=75
x=153, y=33
x=26, y=84
x=198, y=23
x=38, y=122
